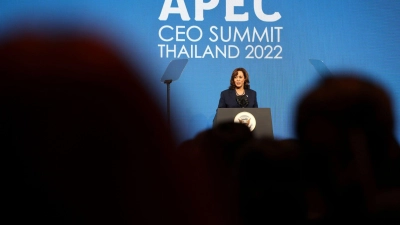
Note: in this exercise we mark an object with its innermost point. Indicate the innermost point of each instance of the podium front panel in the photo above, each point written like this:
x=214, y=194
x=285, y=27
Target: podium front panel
x=260, y=120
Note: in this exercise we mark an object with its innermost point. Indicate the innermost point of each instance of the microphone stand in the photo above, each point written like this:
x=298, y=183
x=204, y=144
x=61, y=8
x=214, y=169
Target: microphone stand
x=168, y=82
x=173, y=72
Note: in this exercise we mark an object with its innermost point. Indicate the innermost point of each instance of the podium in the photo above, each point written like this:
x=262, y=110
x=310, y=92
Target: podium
x=258, y=120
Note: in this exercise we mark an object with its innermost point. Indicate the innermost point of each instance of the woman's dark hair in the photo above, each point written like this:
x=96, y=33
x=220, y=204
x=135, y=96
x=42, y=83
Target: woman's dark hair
x=246, y=77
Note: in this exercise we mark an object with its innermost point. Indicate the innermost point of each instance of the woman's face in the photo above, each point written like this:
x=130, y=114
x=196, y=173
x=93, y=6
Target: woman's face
x=239, y=79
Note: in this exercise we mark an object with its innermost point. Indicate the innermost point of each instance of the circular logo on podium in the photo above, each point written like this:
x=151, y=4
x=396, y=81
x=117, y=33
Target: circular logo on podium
x=247, y=119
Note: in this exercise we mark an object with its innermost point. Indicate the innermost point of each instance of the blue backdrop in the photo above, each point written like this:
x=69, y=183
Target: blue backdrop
x=273, y=40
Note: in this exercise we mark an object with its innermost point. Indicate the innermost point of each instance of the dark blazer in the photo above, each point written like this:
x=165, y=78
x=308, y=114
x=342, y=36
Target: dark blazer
x=228, y=99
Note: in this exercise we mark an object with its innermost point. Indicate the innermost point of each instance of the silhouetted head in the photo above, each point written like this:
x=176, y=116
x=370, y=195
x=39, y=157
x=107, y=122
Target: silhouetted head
x=345, y=127
x=271, y=186
x=80, y=146
x=329, y=114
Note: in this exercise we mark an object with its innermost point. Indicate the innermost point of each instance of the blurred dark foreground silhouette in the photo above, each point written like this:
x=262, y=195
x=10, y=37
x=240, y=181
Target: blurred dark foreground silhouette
x=343, y=167
x=351, y=157
x=76, y=147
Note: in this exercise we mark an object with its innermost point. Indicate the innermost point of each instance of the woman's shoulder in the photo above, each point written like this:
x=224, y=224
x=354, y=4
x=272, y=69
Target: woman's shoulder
x=227, y=91
x=250, y=90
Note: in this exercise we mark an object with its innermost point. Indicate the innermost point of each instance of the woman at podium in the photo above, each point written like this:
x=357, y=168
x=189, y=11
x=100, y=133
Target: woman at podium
x=239, y=94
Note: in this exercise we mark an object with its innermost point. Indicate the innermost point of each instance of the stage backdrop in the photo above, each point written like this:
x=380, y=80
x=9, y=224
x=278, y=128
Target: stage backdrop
x=273, y=40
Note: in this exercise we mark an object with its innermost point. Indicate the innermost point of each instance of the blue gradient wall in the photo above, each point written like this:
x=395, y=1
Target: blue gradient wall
x=348, y=34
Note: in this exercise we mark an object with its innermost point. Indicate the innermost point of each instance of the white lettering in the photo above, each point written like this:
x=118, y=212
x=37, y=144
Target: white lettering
x=183, y=51
x=181, y=34
x=200, y=33
x=227, y=34
x=201, y=6
x=212, y=28
x=230, y=51
x=237, y=34
x=161, y=29
x=230, y=11
x=265, y=17
x=265, y=33
x=168, y=9
x=192, y=51
x=230, y=15
x=279, y=33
